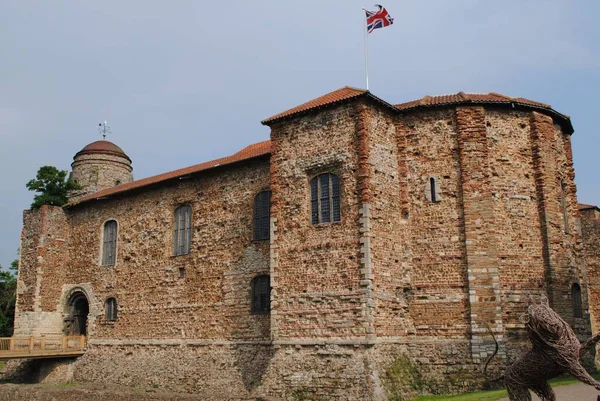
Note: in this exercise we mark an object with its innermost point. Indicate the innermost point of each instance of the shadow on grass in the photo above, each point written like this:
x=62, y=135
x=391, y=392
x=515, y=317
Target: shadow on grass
x=494, y=395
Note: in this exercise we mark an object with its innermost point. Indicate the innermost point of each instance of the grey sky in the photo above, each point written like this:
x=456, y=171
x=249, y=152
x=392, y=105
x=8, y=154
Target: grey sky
x=182, y=82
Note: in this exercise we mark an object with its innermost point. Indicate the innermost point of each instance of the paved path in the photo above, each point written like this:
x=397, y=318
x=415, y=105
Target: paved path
x=572, y=392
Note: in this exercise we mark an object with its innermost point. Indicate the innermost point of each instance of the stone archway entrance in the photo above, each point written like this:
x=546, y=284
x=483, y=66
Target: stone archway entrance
x=78, y=310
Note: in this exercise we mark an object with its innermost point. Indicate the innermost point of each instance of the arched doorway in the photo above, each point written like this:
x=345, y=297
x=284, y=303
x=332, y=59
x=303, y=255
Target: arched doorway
x=78, y=309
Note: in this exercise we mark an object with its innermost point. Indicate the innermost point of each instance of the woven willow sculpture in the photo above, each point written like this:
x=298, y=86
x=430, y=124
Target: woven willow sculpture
x=555, y=351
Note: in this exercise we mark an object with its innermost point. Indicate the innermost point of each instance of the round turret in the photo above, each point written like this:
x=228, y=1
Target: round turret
x=100, y=165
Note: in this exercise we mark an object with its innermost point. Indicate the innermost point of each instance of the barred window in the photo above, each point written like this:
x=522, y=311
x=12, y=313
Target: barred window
x=262, y=213
x=111, y=309
x=109, y=243
x=576, y=299
x=325, y=198
x=261, y=295
x=182, y=232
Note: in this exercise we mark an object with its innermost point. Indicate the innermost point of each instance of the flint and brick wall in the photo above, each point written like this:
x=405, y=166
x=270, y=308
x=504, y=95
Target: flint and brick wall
x=399, y=276
x=318, y=273
x=590, y=227
x=95, y=172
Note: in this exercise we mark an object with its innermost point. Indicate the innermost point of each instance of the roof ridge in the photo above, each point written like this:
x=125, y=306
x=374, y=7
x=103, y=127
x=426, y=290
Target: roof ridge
x=249, y=152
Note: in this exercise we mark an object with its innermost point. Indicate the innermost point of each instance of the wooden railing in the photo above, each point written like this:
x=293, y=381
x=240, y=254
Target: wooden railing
x=19, y=347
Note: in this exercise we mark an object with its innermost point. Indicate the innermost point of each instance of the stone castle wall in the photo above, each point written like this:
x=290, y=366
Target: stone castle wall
x=317, y=281
x=590, y=227
x=405, y=282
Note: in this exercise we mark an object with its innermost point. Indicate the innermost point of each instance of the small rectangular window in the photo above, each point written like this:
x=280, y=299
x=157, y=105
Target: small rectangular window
x=325, y=199
x=262, y=215
x=109, y=243
x=182, y=230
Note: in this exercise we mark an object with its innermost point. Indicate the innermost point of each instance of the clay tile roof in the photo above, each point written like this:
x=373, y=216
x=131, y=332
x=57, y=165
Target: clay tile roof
x=249, y=152
x=485, y=98
x=337, y=96
x=583, y=206
x=462, y=97
x=105, y=147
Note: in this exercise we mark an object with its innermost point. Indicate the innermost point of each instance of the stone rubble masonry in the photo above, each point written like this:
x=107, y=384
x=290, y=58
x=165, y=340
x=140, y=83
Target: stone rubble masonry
x=480, y=242
x=400, y=279
x=590, y=227
x=98, y=171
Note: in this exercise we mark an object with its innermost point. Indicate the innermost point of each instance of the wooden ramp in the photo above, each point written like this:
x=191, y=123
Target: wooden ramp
x=50, y=346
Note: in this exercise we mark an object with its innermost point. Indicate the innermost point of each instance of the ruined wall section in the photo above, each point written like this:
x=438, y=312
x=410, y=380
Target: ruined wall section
x=202, y=295
x=317, y=289
x=42, y=267
x=590, y=227
x=435, y=274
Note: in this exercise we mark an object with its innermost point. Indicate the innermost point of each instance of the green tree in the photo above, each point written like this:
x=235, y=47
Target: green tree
x=52, y=185
x=8, y=297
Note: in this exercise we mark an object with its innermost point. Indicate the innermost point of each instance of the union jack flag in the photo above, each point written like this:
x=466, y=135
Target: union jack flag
x=378, y=19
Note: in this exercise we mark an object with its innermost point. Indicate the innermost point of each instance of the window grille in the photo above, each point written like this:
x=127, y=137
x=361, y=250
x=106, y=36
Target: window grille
x=261, y=295
x=576, y=299
x=262, y=214
x=325, y=198
x=182, y=232
x=111, y=309
x=109, y=243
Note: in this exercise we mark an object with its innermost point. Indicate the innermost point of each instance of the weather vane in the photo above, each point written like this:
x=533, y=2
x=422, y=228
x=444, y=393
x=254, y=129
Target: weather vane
x=104, y=129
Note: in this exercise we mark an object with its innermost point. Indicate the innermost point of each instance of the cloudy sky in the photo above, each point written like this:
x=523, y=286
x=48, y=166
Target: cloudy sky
x=182, y=82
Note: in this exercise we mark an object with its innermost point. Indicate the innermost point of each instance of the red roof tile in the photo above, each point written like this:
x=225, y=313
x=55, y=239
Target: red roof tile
x=583, y=206
x=336, y=96
x=102, y=147
x=462, y=97
x=249, y=152
x=482, y=98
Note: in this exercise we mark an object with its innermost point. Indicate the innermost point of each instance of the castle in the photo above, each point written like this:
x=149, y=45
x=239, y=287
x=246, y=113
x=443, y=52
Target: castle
x=361, y=239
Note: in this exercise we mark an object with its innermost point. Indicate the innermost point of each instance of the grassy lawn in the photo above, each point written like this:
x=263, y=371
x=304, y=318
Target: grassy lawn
x=493, y=395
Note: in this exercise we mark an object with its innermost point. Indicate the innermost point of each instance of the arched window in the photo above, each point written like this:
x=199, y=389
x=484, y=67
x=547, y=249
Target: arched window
x=110, y=309
x=325, y=199
x=576, y=299
x=182, y=232
x=109, y=243
x=262, y=213
x=261, y=295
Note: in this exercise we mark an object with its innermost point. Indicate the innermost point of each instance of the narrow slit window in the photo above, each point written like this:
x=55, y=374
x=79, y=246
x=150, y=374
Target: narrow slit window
x=262, y=214
x=325, y=199
x=563, y=205
x=182, y=231
x=261, y=295
x=109, y=243
x=111, y=310
x=576, y=299
x=432, y=189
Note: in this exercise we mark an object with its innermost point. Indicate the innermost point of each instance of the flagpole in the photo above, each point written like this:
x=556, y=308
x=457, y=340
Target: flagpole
x=366, y=52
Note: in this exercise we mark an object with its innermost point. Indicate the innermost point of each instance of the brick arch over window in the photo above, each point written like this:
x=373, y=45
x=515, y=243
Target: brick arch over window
x=261, y=294
x=109, y=243
x=325, y=199
x=262, y=214
x=182, y=230
x=576, y=300
x=110, y=309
